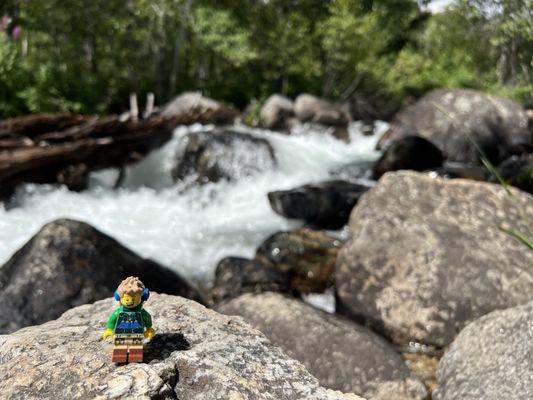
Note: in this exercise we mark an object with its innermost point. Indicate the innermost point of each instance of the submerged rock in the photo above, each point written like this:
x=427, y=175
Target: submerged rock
x=196, y=354
x=226, y=154
x=453, y=119
x=342, y=355
x=68, y=263
x=276, y=112
x=192, y=107
x=326, y=205
x=426, y=256
x=491, y=359
x=410, y=152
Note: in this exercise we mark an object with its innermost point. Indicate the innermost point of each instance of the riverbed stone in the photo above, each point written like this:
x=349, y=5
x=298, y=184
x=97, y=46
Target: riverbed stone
x=196, y=354
x=222, y=155
x=341, y=354
x=458, y=120
x=276, y=112
x=324, y=205
x=69, y=263
x=491, y=359
x=426, y=256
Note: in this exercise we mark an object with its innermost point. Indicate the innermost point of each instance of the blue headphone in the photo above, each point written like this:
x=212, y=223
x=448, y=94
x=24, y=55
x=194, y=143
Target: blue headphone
x=145, y=296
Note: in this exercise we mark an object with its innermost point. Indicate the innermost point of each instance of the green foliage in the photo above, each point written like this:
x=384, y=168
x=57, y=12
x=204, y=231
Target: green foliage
x=88, y=55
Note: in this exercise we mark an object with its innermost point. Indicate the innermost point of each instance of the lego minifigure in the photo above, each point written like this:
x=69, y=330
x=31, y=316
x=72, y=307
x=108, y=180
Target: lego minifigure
x=130, y=323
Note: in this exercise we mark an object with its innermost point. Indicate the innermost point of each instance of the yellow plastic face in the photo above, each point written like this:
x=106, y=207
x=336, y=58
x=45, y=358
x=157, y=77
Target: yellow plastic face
x=131, y=300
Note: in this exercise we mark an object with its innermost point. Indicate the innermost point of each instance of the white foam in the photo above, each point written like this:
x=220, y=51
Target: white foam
x=188, y=231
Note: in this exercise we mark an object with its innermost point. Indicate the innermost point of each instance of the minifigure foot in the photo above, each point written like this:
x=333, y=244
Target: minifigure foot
x=135, y=355
x=119, y=356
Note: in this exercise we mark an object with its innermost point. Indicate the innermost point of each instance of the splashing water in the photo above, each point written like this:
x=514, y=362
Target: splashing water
x=188, y=231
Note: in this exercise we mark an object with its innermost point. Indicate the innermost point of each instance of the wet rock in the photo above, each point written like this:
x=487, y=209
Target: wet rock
x=453, y=118
x=296, y=262
x=226, y=154
x=276, y=112
x=326, y=205
x=342, y=355
x=426, y=256
x=192, y=107
x=517, y=170
x=307, y=256
x=491, y=359
x=68, y=263
x=196, y=354
x=410, y=152
x=235, y=276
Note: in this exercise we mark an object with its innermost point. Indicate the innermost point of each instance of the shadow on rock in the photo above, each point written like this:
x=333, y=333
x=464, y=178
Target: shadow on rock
x=163, y=345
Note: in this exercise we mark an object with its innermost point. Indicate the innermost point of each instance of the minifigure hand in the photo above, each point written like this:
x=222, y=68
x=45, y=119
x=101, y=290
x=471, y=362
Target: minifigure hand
x=149, y=334
x=108, y=332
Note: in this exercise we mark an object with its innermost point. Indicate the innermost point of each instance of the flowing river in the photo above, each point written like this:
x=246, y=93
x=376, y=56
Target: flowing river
x=188, y=230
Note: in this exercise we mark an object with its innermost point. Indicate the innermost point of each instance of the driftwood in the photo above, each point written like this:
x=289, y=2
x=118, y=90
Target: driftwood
x=67, y=155
x=64, y=148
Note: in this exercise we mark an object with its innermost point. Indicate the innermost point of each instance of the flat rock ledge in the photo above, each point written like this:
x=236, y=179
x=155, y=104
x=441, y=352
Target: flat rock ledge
x=196, y=354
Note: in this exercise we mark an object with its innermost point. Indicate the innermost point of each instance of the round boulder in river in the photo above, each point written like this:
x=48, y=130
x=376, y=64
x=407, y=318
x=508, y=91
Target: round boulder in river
x=196, y=354
x=491, y=359
x=454, y=118
x=69, y=263
x=341, y=354
x=426, y=256
x=222, y=154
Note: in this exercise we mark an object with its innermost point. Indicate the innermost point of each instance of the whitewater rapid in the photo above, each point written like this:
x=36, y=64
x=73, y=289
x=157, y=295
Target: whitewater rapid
x=190, y=230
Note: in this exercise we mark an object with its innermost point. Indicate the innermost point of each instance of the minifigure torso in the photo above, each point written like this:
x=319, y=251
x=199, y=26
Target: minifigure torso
x=126, y=320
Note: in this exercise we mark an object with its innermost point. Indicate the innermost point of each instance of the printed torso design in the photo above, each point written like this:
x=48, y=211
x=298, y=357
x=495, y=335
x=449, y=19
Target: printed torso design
x=129, y=322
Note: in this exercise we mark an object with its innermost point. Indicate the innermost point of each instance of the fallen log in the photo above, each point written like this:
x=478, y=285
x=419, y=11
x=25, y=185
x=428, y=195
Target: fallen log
x=58, y=156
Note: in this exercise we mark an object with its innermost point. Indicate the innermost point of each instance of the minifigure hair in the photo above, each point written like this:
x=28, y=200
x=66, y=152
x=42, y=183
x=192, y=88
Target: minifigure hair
x=130, y=285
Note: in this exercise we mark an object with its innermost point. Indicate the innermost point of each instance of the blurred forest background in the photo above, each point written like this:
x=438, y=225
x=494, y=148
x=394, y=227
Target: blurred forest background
x=86, y=56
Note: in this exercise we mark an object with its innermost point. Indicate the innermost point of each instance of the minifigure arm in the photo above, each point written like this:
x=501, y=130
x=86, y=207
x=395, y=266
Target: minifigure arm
x=147, y=319
x=112, y=321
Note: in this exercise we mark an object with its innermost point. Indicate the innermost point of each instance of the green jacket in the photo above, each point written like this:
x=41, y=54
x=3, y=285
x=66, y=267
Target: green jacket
x=146, y=318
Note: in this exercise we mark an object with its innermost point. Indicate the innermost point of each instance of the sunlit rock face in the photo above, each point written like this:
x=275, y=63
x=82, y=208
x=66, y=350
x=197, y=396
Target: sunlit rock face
x=425, y=256
x=341, y=354
x=196, y=354
x=461, y=122
x=491, y=359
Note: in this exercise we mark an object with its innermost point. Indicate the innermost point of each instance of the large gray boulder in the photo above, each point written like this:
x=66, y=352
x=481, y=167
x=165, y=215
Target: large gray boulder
x=426, y=256
x=342, y=355
x=454, y=118
x=276, y=112
x=491, y=359
x=196, y=354
x=69, y=263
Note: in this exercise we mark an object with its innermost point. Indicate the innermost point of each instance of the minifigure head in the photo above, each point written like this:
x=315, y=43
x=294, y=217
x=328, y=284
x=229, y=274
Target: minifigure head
x=131, y=292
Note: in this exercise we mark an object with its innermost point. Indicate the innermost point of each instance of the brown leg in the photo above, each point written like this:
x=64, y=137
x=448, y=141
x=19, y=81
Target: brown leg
x=120, y=354
x=136, y=354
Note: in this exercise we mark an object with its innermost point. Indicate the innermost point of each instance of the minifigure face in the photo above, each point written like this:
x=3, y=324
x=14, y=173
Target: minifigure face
x=131, y=300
